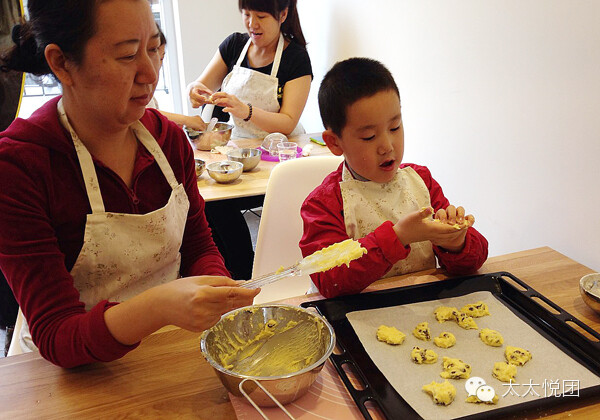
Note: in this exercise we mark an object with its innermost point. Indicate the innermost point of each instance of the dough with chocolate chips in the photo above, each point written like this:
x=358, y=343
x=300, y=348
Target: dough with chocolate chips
x=420, y=356
x=445, y=340
x=422, y=332
x=504, y=372
x=455, y=369
x=491, y=337
x=517, y=356
x=442, y=393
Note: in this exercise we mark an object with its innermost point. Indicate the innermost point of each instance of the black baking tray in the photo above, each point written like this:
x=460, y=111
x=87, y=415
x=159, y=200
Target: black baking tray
x=377, y=391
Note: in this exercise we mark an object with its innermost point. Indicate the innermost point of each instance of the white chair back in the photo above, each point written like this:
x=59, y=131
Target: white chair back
x=15, y=345
x=280, y=227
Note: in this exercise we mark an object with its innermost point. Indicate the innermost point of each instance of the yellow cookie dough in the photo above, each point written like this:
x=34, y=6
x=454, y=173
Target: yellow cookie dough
x=476, y=310
x=473, y=399
x=455, y=369
x=390, y=335
x=491, y=337
x=420, y=356
x=445, y=313
x=504, y=372
x=517, y=356
x=442, y=393
x=445, y=340
x=465, y=321
x=422, y=332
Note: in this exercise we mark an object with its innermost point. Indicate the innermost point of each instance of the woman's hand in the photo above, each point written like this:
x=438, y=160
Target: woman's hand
x=442, y=231
x=197, y=303
x=194, y=122
x=199, y=94
x=192, y=303
x=231, y=104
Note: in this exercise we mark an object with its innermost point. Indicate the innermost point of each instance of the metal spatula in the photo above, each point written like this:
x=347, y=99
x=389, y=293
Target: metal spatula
x=323, y=260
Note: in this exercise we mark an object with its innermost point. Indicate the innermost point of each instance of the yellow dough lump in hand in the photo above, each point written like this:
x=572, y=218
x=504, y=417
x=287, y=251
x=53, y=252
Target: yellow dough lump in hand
x=504, y=372
x=445, y=340
x=422, y=332
x=517, y=356
x=491, y=337
x=390, y=335
x=476, y=310
x=445, y=313
x=465, y=321
x=442, y=393
x=455, y=369
x=420, y=356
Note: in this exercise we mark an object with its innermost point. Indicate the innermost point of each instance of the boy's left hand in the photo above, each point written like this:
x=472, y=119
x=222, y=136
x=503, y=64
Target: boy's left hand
x=454, y=216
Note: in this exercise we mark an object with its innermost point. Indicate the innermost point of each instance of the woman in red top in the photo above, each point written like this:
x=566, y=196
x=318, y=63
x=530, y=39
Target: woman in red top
x=98, y=195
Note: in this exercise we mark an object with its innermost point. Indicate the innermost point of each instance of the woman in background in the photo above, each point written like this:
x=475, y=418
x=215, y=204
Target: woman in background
x=194, y=122
x=103, y=237
x=264, y=79
x=263, y=75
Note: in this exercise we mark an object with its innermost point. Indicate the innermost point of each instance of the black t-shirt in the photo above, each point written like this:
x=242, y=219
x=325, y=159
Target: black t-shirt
x=295, y=61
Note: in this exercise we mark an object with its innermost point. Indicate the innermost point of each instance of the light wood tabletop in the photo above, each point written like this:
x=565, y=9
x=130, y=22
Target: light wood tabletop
x=166, y=376
x=251, y=183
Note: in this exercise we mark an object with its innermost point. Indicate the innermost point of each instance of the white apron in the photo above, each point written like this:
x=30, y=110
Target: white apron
x=368, y=204
x=259, y=89
x=124, y=254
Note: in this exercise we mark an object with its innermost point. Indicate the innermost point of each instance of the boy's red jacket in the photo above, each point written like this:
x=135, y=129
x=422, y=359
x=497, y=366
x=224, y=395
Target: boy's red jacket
x=323, y=216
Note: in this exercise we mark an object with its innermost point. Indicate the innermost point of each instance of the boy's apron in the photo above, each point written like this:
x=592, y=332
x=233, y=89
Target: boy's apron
x=259, y=89
x=368, y=204
x=124, y=254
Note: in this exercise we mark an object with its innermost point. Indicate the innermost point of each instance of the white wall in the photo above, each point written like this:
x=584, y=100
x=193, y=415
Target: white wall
x=202, y=26
x=498, y=98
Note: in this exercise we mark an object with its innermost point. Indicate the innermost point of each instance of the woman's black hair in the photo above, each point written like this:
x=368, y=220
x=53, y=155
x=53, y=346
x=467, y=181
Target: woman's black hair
x=66, y=23
x=291, y=28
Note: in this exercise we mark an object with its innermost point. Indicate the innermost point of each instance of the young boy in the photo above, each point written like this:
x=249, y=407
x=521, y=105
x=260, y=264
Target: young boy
x=373, y=198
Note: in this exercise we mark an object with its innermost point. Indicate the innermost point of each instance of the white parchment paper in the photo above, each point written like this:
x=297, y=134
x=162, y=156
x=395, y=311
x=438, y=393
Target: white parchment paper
x=548, y=373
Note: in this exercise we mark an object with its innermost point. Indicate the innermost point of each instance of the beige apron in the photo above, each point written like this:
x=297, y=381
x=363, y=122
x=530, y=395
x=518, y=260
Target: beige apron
x=368, y=204
x=259, y=89
x=124, y=254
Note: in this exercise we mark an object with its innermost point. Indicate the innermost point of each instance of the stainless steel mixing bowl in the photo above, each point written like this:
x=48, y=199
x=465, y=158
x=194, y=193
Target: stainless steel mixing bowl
x=248, y=157
x=225, y=171
x=200, y=165
x=246, y=323
x=589, y=287
x=218, y=136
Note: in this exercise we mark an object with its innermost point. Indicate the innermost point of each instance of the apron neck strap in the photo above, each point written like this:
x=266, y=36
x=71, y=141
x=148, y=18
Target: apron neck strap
x=150, y=143
x=86, y=164
x=276, y=60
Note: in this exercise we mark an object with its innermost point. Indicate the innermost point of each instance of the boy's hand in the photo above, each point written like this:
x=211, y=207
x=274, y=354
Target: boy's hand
x=454, y=217
x=448, y=230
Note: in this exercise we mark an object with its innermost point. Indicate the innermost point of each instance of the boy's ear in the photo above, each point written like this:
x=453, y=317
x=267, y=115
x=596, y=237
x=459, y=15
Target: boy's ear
x=333, y=142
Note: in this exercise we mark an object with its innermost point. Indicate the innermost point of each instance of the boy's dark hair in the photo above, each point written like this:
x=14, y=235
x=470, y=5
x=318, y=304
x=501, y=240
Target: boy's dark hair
x=347, y=82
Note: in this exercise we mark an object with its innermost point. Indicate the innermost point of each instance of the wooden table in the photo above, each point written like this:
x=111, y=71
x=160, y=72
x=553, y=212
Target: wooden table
x=166, y=377
x=254, y=182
